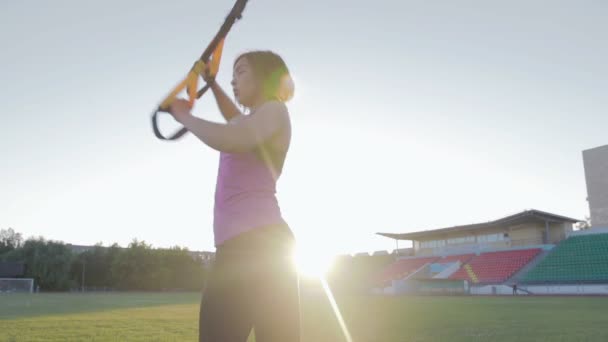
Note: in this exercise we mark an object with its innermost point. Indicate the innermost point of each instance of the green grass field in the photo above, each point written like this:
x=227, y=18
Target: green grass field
x=173, y=317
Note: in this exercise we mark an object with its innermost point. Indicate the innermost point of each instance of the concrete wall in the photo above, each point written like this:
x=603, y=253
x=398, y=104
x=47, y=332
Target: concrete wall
x=559, y=231
x=526, y=234
x=596, y=175
x=534, y=233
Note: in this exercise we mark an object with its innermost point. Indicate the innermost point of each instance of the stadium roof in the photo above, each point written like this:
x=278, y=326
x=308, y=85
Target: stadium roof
x=512, y=219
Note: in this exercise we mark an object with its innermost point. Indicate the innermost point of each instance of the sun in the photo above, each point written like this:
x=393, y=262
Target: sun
x=312, y=263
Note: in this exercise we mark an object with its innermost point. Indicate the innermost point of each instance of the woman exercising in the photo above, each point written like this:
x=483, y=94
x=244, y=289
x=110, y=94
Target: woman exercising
x=253, y=282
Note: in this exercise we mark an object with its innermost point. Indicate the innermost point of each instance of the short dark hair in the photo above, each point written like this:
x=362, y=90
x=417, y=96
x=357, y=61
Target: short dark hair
x=269, y=68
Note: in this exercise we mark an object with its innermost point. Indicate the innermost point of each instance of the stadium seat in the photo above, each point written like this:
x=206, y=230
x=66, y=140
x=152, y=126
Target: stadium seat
x=578, y=259
x=495, y=267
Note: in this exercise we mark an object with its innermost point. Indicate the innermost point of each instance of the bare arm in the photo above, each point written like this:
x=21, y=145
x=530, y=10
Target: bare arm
x=228, y=109
x=244, y=134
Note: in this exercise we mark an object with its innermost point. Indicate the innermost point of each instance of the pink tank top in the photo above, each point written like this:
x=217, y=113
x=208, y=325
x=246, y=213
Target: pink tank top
x=245, y=195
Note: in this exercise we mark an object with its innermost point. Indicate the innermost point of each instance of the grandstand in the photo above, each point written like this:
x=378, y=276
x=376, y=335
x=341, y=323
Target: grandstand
x=532, y=248
x=537, y=250
x=482, y=253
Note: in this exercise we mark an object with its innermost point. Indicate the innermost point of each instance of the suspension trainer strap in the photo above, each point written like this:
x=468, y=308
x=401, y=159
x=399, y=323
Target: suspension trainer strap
x=208, y=62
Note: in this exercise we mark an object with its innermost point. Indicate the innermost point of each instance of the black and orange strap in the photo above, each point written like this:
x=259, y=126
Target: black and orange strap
x=208, y=62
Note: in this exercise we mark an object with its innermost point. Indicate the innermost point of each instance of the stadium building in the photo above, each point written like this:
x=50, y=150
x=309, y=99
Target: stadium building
x=530, y=228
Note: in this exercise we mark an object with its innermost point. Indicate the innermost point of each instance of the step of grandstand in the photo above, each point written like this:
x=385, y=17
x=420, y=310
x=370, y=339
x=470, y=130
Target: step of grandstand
x=401, y=269
x=472, y=275
x=577, y=259
x=495, y=267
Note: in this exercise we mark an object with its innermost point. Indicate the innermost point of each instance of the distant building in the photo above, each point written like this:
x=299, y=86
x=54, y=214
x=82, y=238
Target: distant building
x=596, y=175
x=79, y=248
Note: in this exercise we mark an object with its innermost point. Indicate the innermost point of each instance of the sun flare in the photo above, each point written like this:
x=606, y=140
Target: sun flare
x=312, y=263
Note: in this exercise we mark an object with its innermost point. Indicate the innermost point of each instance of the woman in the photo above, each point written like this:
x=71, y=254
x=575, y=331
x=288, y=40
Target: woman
x=253, y=282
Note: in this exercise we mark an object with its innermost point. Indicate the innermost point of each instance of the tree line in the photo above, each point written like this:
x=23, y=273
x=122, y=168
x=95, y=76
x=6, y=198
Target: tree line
x=54, y=266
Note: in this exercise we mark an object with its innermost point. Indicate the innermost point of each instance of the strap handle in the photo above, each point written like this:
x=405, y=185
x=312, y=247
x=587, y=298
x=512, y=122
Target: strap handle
x=211, y=55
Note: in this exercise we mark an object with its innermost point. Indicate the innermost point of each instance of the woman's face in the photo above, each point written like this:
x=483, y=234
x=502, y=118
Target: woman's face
x=244, y=84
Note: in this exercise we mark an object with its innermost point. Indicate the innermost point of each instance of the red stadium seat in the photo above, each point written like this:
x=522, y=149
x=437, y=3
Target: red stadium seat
x=495, y=267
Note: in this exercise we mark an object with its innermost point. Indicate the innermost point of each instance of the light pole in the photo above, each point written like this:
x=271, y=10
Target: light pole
x=83, y=263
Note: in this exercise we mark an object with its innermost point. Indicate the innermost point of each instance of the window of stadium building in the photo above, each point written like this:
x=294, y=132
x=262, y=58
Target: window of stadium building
x=432, y=244
x=461, y=240
x=491, y=237
x=451, y=241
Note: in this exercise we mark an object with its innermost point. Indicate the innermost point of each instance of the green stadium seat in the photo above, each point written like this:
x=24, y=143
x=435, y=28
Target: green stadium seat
x=576, y=259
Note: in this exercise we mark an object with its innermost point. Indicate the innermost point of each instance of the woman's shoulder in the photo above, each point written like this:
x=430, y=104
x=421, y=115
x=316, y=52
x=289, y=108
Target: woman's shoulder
x=272, y=110
x=273, y=106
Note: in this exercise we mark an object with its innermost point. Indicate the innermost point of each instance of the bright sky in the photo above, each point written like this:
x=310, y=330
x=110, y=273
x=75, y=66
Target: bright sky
x=407, y=115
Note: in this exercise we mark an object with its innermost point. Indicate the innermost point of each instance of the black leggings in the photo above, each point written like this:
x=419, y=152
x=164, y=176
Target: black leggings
x=252, y=283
